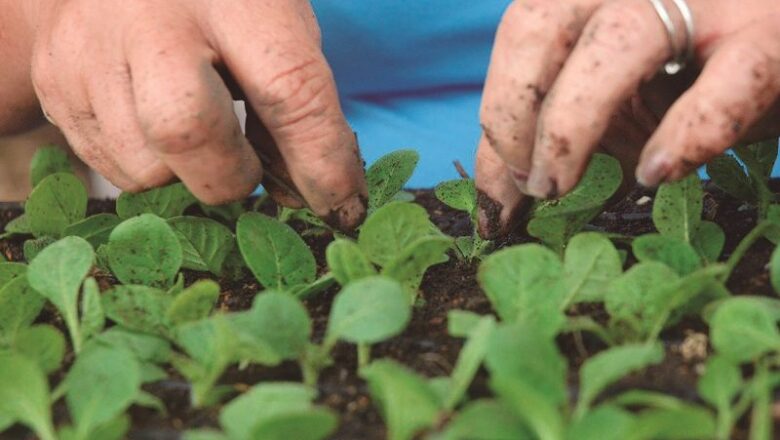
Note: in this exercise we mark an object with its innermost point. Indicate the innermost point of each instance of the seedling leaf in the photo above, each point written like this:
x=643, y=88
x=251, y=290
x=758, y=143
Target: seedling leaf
x=719, y=384
x=166, y=202
x=140, y=308
x=591, y=262
x=42, y=344
x=347, y=262
x=58, y=201
x=603, y=423
x=486, y=420
x=279, y=319
x=709, y=241
x=95, y=229
x=412, y=263
x=93, y=319
x=194, y=303
x=24, y=394
x=388, y=175
x=205, y=243
x=144, y=250
x=19, y=304
x=540, y=414
x=469, y=360
x=391, y=229
x=742, y=330
x=726, y=172
x=274, y=252
x=676, y=254
x=34, y=246
x=460, y=194
x=678, y=208
x=48, y=160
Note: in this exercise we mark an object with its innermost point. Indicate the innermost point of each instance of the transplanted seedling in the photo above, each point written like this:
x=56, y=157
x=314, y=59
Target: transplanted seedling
x=462, y=195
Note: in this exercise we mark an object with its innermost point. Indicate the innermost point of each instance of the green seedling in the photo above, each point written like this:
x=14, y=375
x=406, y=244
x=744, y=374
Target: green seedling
x=42, y=344
x=745, y=174
x=20, y=304
x=48, y=160
x=388, y=175
x=166, y=202
x=57, y=202
x=462, y=195
x=24, y=395
x=205, y=243
x=554, y=222
x=95, y=229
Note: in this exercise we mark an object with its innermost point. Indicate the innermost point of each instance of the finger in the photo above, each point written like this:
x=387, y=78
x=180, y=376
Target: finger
x=499, y=200
x=111, y=96
x=578, y=111
x=286, y=80
x=186, y=114
x=737, y=86
x=532, y=43
x=628, y=132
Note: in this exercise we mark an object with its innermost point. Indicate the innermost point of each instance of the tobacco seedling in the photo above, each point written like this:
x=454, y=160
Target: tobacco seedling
x=205, y=243
x=387, y=176
x=166, y=202
x=24, y=395
x=554, y=222
x=461, y=194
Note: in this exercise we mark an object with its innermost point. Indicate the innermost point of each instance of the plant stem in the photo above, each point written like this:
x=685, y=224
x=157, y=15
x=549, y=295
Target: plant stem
x=364, y=355
x=72, y=322
x=309, y=372
x=743, y=246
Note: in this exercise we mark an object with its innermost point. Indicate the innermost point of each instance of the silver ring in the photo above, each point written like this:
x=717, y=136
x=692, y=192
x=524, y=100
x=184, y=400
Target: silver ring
x=680, y=55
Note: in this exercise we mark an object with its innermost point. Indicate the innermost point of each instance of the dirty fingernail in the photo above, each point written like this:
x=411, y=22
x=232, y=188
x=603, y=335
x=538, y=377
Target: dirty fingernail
x=348, y=215
x=652, y=171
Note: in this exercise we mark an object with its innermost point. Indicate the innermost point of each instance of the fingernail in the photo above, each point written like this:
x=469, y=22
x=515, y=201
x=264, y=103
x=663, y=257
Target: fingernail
x=652, y=171
x=349, y=215
x=541, y=186
x=521, y=179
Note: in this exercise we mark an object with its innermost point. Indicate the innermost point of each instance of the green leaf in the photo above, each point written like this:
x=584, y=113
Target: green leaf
x=166, y=202
x=469, y=360
x=229, y=212
x=460, y=323
x=194, y=303
x=205, y=243
x=720, y=383
x=524, y=352
x=407, y=403
x=486, y=420
x=93, y=319
x=678, y=207
x=676, y=254
x=709, y=241
x=48, y=160
x=310, y=424
x=525, y=283
x=34, y=246
x=145, y=347
x=460, y=194
x=204, y=434
x=95, y=229
x=368, y=311
x=607, y=367
x=19, y=225
x=43, y=344
x=24, y=394
x=281, y=320
x=591, y=262
x=144, y=250
x=541, y=415
x=19, y=304
x=140, y=308
x=410, y=266
x=683, y=423
x=726, y=172
x=742, y=330
x=391, y=229
x=58, y=201
x=388, y=175
x=101, y=385
x=774, y=270
x=274, y=252
x=759, y=157
x=10, y=271
x=347, y=262
x=57, y=273
x=605, y=422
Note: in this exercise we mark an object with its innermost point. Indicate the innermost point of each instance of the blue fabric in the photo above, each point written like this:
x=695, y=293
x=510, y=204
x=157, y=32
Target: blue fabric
x=410, y=74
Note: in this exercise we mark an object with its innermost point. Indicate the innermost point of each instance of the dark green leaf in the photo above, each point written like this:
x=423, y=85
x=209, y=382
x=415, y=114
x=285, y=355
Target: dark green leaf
x=603, y=423
x=388, y=175
x=726, y=172
x=20, y=304
x=34, y=246
x=486, y=420
x=166, y=202
x=720, y=382
x=57, y=202
x=205, y=243
x=93, y=319
x=19, y=225
x=95, y=229
x=709, y=241
x=309, y=424
x=136, y=307
x=412, y=263
x=460, y=194
x=144, y=250
x=678, y=207
x=46, y=161
x=683, y=423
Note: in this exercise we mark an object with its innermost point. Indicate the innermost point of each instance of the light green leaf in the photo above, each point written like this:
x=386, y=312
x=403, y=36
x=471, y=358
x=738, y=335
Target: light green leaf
x=145, y=347
x=95, y=229
x=347, y=262
x=676, y=254
x=140, y=308
x=58, y=201
x=194, y=303
x=48, y=160
x=412, y=263
x=310, y=424
x=144, y=250
x=742, y=330
x=605, y=368
x=93, y=319
x=368, y=311
x=486, y=420
x=709, y=241
x=460, y=194
x=101, y=385
x=469, y=360
x=204, y=434
x=42, y=344
x=460, y=323
x=591, y=262
x=605, y=422
x=19, y=304
x=19, y=225
x=24, y=394
x=678, y=207
x=34, y=246
x=274, y=252
x=205, y=243
x=279, y=319
x=407, y=403
x=391, y=229
x=683, y=423
x=525, y=283
x=166, y=202
x=57, y=273
x=720, y=383
x=10, y=271
x=388, y=175
x=540, y=414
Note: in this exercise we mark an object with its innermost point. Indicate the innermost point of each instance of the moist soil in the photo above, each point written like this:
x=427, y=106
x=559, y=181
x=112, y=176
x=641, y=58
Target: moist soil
x=425, y=346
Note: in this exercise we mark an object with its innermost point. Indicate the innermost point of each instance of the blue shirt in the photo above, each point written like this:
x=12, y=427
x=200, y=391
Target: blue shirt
x=410, y=74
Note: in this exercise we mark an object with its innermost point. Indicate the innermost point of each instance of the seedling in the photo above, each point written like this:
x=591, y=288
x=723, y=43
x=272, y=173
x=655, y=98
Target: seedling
x=745, y=174
x=462, y=195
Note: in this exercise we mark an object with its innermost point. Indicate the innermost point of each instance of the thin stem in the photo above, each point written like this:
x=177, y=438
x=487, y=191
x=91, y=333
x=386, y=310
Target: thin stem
x=364, y=355
x=72, y=322
x=309, y=372
x=743, y=246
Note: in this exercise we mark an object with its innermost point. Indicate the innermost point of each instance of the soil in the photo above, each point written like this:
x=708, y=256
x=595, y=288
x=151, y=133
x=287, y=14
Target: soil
x=425, y=346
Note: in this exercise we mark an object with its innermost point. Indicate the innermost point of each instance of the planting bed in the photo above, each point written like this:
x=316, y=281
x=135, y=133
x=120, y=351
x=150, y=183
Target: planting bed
x=675, y=409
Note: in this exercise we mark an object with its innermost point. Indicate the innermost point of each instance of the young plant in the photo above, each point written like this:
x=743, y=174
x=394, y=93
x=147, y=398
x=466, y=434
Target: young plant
x=20, y=304
x=387, y=176
x=24, y=395
x=166, y=202
x=205, y=243
x=462, y=195
x=554, y=222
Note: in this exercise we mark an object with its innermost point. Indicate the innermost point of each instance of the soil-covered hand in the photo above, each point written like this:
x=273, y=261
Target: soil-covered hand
x=139, y=89
x=568, y=78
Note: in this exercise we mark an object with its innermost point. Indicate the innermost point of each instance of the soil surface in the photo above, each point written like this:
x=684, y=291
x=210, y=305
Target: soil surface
x=425, y=346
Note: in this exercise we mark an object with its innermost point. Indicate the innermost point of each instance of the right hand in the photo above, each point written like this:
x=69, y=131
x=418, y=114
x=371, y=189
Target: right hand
x=135, y=88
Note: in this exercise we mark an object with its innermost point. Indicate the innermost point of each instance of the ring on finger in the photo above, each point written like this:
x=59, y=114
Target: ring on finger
x=681, y=54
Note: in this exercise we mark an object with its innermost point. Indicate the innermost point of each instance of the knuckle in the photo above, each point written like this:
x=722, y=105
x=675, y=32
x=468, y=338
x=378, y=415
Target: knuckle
x=531, y=19
x=178, y=132
x=619, y=26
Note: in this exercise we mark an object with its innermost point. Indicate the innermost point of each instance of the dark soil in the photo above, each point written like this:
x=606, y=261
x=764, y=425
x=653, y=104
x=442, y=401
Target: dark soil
x=425, y=346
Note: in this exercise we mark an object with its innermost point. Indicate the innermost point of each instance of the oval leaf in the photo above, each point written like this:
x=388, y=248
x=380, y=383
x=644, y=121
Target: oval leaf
x=140, y=308
x=676, y=254
x=742, y=329
x=591, y=262
x=95, y=229
x=24, y=394
x=194, y=303
x=205, y=243
x=388, y=175
x=390, y=230
x=166, y=202
x=58, y=201
x=347, y=262
x=281, y=320
x=678, y=207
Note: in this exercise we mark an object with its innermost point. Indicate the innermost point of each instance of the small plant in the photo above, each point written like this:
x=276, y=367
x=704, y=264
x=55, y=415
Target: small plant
x=462, y=195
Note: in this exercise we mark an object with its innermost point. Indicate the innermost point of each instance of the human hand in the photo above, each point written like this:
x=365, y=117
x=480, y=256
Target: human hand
x=136, y=89
x=568, y=78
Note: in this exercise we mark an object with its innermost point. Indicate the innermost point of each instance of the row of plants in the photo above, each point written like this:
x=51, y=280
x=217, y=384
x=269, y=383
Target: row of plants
x=116, y=280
